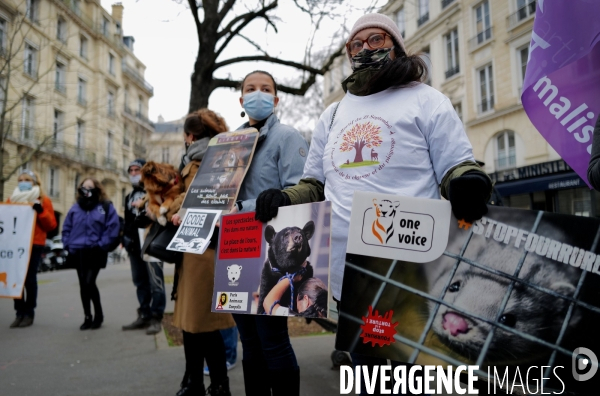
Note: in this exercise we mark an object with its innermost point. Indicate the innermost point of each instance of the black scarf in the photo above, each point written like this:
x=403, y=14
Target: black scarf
x=87, y=204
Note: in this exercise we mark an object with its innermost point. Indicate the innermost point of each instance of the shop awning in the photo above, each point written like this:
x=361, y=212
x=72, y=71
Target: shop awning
x=561, y=181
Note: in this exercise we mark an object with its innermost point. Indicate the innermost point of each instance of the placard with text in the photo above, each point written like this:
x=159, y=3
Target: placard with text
x=275, y=268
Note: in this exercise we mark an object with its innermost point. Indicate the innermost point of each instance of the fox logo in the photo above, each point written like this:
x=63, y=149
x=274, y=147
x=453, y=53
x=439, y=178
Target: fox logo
x=383, y=226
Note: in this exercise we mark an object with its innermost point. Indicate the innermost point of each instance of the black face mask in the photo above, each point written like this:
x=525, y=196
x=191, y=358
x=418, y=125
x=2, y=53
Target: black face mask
x=87, y=193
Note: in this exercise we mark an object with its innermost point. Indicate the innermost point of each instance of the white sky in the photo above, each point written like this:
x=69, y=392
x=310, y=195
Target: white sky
x=166, y=42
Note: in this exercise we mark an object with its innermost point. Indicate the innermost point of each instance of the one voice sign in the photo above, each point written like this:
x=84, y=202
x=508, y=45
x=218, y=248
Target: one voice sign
x=391, y=227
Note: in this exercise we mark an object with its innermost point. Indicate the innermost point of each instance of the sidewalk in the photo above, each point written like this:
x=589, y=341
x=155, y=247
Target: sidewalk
x=53, y=357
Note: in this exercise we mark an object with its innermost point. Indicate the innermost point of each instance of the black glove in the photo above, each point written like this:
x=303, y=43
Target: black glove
x=268, y=203
x=38, y=207
x=468, y=196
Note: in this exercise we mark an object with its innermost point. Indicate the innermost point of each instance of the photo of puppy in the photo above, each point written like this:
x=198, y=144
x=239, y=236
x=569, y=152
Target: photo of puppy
x=163, y=185
x=287, y=255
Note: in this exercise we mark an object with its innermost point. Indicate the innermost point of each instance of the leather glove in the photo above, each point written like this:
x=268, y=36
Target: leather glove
x=468, y=196
x=268, y=203
x=38, y=207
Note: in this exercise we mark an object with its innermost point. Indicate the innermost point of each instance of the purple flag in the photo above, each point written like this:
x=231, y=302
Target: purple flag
x=561, y=91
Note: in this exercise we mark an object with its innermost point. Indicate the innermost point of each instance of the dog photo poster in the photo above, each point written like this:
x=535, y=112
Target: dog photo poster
x=195, y=231
x=275, y=268
x=223, y=168
x=516, y=291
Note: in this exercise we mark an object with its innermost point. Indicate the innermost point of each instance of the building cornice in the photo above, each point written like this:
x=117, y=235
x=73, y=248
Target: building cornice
x=494, y=115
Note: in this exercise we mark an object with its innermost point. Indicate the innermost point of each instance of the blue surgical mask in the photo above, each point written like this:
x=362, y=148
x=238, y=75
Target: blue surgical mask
x=135, y=180
x=25, y=185
x=259, y=105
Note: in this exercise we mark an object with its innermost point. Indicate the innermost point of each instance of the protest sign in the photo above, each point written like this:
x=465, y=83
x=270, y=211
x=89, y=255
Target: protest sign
x=222, y=170
x=514, y=290
x=17, y=222
x=562, y=82
x=195, y=231
x=277, y=268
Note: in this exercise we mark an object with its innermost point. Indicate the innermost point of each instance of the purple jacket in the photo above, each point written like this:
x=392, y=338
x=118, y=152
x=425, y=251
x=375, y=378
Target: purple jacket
x=83, y=229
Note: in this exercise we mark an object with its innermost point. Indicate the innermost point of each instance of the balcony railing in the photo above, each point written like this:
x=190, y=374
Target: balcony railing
x=62, y=88
x=521, y=14
x=110, y=164
x=446, y=3
x=138, y=149
x=144, y=118
x=424, y=18
x=452, y=71
x=480, y=38
x=506, y=162
x=132, y=73
x=485, y=105
x=82, y=101
x=111, y=112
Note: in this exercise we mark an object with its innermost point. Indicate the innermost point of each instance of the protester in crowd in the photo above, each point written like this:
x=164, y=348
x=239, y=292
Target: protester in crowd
x=593, y=172
x=495, y=198
x=418, y=143
x=311, y=300
x=269, y=362
x=230, y=338
x=29, y=190
x=90, y=229
x=147, y=276
x=194, y=279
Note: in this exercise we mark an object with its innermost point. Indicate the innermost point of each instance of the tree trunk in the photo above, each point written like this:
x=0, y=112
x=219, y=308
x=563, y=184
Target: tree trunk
x=358, y=148
x=202, y=87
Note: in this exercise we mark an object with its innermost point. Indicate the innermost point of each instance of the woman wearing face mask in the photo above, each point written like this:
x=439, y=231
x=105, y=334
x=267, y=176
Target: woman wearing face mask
x=417, y=143
x=193, y=282
x=277, y=163
x=29, y=190
x=90, y=227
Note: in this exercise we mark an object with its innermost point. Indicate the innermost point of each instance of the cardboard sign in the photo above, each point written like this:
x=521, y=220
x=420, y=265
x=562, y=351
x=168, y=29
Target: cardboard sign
x=17, y=224
x=223, y=168
x=195, y=231
x=277, y=268
x=516, y=289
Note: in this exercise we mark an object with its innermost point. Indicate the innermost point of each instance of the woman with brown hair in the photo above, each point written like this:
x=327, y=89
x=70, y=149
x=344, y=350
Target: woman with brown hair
x=90, y=229
x=29, y=190
x=193, y=284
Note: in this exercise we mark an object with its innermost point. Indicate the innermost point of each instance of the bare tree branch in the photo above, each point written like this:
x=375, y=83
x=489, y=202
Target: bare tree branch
x=267, y=58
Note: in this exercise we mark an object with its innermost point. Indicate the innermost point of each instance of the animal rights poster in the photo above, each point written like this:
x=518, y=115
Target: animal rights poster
x=515, y=293
x=275, y=268
x=223, y=168
x=17, y=223
x=195, y=231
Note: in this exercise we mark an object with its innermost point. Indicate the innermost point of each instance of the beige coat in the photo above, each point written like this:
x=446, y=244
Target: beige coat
x=195, y=288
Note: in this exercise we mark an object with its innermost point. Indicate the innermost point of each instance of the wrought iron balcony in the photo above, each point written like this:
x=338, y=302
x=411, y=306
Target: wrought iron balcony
x=485, y=105
x=446, y=3
x=522, y=13
x=452, y=71
x=424, y=18
x=480, y=38
x=133, y=74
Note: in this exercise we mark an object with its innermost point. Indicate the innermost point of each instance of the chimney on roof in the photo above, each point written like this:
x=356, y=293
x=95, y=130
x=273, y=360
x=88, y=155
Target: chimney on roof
x=117, y=12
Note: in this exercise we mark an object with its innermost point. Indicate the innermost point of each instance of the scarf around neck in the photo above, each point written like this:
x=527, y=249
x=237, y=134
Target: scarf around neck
x=196, y=151
x=29, y=196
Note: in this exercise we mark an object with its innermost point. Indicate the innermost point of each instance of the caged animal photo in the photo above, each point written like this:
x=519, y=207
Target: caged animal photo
x=163, y=186
x=510, y=291
x=288, y=252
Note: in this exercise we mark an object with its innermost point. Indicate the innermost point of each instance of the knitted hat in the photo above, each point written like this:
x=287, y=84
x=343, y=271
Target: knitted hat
x=377, y=21
x=137, y=162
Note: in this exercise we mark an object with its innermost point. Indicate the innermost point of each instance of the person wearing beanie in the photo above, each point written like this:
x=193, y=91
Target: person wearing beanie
x=414, y=144
x=147, y=275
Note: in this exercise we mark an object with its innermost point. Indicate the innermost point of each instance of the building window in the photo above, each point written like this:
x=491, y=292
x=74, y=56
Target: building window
x=427, y=59
x=105, y=26
x=111, y=104
x=2, y=94
x=58, y=125
x=506, y=155
x=458, y=109
x=24, y=167
x=423, y=12
x=27, y=118
x=125, y=135
x=483, y=24
x=452, y=66
x=83, y=47
x=166, y=157
x=109, y=145
x=140, y=106
x=81, y=91
x=486, y=89
x=32, y=10
x=111, y=64
x=53, y=187
x=60, y=77
x=525, y=8
x=522, y=56
x=401, y=21
x=61, y=30
x=2, y=35
x=80, y=133
x=30, y=60
x=446, y=3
